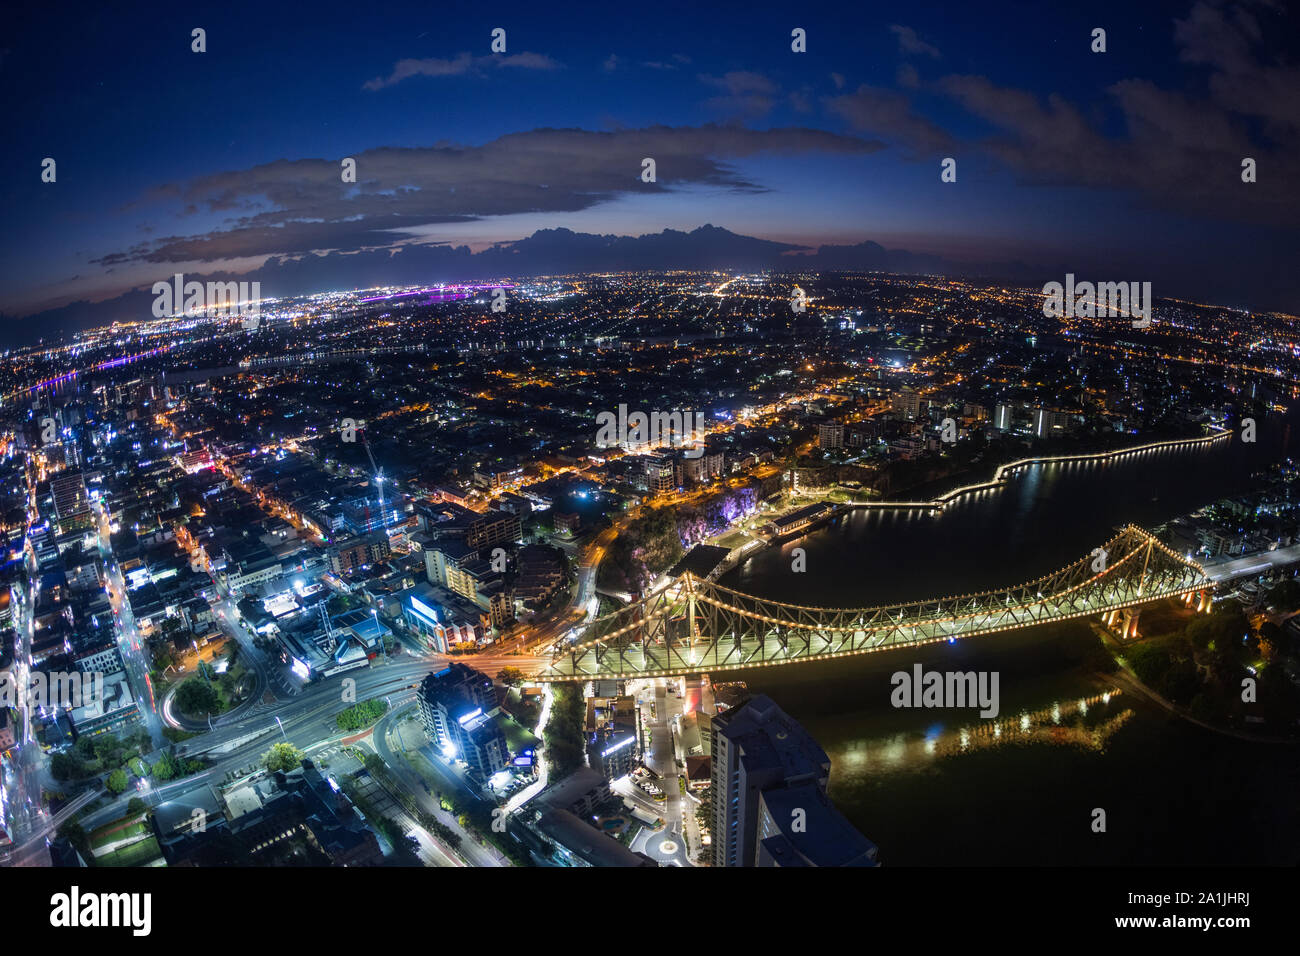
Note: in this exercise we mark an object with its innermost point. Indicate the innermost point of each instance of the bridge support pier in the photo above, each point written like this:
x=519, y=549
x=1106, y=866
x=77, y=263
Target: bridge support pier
x=1128, y=623
x=1123, y=622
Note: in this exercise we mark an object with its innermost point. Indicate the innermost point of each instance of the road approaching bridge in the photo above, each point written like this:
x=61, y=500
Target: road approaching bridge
x=1254, y=564
x=696, y=625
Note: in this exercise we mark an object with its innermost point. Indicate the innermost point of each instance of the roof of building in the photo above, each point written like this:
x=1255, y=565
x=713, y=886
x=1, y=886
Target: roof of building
x=586, y=842
x=699, y=767
x=701, y=561
x=574, y=788
x=769, y=739
x=825, y=838
x=805, y=513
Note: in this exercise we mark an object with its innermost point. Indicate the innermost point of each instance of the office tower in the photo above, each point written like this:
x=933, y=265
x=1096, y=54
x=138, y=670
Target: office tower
x=769, y=795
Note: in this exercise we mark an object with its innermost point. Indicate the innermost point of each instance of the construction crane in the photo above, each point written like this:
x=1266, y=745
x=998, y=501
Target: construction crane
x=326, y=623
x=379, y=480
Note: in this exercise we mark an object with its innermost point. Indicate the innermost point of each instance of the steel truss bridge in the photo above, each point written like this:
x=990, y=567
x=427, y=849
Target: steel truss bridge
x=695, y=626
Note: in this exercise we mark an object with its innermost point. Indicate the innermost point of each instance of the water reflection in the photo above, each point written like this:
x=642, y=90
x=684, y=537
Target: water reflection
x=1085, y=723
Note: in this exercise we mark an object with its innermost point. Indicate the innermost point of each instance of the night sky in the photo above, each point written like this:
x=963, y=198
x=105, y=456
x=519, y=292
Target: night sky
x=1117, y=166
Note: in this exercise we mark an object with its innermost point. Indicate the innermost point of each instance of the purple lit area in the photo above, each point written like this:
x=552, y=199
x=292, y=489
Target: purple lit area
x=444, y=293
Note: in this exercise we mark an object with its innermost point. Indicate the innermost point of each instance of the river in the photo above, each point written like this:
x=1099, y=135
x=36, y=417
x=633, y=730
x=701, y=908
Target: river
x=945, y=787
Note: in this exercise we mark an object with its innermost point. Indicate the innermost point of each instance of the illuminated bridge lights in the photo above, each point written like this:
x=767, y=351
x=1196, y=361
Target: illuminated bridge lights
x=999, y=478
x=698, y=625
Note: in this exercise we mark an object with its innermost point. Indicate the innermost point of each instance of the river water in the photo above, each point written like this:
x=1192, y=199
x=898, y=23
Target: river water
x=945, y=787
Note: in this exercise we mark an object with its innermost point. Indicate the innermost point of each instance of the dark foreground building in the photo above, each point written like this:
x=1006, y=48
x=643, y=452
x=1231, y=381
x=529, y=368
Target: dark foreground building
x=769, y=795
x=304, y=821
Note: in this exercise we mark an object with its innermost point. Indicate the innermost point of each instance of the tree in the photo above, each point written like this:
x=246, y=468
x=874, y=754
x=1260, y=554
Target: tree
x=282, y=757
x=196, y=696
x=339, y=603
x=106, y=746
x=65, y=766
x=1149, y=662
x=167, y=767
x=136, y=806
x=361, y=714
x=1179, y=682
x=704, y=812
x=1203, y=707
x=75, y=834
x=511, y=676
x=116, y=781
x=1278, y=697
x=1286, y=595
x=564, y=730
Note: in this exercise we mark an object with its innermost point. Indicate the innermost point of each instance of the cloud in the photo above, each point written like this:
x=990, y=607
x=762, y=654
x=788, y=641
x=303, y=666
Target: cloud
x=677, y=60
x=1177, y=151
x=611, y=64
x=1226, y=40
x=909, y=42
x=1174, y=150
x=296, y=207
x=462, y=64
x=889, y=115
x=740, y=82
x=745, y=93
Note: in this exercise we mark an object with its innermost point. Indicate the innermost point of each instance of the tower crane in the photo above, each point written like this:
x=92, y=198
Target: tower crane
x=379, y=480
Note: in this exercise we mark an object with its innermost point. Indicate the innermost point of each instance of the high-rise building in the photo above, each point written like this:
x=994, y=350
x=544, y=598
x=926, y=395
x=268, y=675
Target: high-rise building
x=347, y=556
x=799, y=826
x=660, y=473
x=830, y=435
x=713, y=464
x=613, y=735
x=501, y=610
x=493, y=528
x=907, y=403
x=457, y=705
x=71, y=503
x=766, y=767
x=1049, y=422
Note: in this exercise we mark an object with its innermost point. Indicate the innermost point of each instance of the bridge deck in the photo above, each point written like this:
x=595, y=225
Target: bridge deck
x=698, y=626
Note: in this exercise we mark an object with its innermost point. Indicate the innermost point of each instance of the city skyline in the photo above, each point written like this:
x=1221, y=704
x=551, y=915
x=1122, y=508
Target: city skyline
x=1123, y=164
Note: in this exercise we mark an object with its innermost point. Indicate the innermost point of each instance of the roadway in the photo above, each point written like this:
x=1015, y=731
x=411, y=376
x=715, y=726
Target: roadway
x=131, y=648
x=667, y=846
x=1253, y=564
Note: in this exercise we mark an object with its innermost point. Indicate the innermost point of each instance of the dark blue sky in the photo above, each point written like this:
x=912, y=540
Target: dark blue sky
x=1126, y=162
